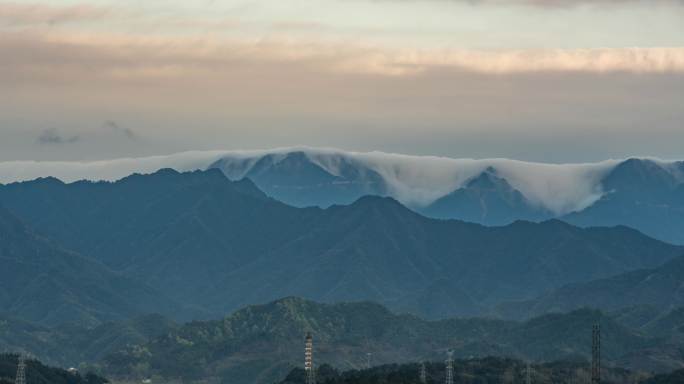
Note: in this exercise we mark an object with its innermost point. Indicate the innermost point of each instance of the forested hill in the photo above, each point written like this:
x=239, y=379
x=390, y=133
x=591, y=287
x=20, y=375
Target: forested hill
x=37, y=373
x=260, y=344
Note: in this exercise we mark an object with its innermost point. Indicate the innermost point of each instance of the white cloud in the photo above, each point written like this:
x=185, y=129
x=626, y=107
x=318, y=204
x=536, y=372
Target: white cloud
x=413, y=180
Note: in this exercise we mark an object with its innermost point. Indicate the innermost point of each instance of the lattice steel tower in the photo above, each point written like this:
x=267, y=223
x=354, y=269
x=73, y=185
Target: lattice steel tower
x=596, y=354
x=528, y=373
x=423, y=373
x=308, y=360
x=21, y=370
x=450, y=367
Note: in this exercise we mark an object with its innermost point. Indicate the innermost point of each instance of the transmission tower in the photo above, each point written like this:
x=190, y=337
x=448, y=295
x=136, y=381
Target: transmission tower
x=21, y=370
x=450, y=367
x=528, y=373
x=308, y=360
x=423, y=373
x=596, y=354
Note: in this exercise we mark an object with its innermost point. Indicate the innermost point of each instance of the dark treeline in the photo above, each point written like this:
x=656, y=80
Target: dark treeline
x=475, y=371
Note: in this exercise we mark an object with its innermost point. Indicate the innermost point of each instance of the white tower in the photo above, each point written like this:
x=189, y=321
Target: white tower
x=308, y=360
x=450, y=367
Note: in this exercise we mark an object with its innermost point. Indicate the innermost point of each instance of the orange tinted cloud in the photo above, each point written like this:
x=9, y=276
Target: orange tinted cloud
x=124, y=56
x=19, y=14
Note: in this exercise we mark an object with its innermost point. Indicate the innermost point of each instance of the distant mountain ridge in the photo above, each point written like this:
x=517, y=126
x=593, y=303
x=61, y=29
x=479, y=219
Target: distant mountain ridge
x=643, y=195
x=660, y=288
x=216, y=245
x=646, y=194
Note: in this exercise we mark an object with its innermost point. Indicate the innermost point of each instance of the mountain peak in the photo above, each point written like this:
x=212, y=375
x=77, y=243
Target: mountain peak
x=170, y=178
x=381, y=205
x=47, y=181
x=371, y=199
x=489, y=180
x=166, y=171
x=488, y=199
x=640, y=175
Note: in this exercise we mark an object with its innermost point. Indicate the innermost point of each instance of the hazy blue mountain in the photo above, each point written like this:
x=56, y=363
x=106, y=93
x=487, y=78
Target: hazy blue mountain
x=262, y=343
x=295, y=179
x=376, y=249
x=641, y=194
x=218, y=245
x=659, y=289
x=42, y=282
x=487, y=199
x=644, y=194
x=182, y=233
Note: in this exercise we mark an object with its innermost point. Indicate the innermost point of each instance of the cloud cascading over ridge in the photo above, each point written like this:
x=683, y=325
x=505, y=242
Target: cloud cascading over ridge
x=413, y=180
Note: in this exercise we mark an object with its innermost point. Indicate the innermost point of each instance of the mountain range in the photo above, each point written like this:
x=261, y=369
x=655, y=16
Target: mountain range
x=47, y=284
x=645, y=194
x=88, y=262
x=213, y=245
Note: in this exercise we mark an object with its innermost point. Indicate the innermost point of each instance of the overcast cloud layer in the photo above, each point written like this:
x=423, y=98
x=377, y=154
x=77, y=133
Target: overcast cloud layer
x=535, y=80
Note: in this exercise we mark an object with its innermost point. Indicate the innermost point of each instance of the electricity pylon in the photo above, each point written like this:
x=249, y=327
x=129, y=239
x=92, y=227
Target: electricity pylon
x=21, y=370
x=450, y=367
x=308, y=360
x=596, y=354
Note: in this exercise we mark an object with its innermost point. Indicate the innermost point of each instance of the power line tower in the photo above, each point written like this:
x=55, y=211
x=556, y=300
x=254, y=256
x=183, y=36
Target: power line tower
x=596, y=354
x=450, y=367
x=528, y=373
x=21, y=370
x=423, y=373
x=308, y=360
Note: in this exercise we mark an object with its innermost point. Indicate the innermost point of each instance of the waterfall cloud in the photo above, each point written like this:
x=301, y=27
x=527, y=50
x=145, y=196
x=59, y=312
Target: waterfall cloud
x=413, y=180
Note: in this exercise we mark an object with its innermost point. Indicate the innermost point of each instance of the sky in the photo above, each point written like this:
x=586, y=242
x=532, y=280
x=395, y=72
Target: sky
x=550, y=81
